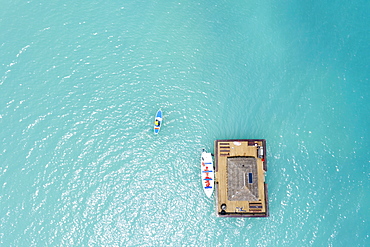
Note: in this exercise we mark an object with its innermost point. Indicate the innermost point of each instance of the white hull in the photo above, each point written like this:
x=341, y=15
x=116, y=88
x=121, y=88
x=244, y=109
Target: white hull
x=207, y=173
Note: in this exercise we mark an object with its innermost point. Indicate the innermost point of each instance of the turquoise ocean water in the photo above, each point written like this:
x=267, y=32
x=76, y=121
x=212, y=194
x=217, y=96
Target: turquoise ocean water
x=80, y=82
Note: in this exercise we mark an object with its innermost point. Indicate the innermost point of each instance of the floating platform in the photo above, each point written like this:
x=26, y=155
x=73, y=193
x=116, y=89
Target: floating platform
x=240, y=167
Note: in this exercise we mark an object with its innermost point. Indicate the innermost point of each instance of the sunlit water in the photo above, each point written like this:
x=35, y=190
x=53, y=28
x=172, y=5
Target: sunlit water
x=81, y=82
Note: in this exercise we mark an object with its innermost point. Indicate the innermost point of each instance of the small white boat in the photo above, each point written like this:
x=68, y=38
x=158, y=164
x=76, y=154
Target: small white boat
x=207, y=173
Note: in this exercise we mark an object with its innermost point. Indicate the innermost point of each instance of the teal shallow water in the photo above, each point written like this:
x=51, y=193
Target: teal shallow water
x=81, y=82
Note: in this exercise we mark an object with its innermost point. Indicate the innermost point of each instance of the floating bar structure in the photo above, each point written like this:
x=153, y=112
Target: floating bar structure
x=240, y=167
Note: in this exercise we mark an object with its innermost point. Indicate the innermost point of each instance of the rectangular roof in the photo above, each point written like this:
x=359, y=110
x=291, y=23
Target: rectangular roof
x=242, y=182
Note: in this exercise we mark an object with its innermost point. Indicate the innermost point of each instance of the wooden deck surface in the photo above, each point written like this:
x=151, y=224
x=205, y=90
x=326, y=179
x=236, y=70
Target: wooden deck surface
x=238, y=148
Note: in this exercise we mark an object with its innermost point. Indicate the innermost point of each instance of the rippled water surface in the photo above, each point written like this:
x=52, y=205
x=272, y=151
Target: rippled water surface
x=80, y=85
